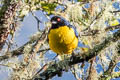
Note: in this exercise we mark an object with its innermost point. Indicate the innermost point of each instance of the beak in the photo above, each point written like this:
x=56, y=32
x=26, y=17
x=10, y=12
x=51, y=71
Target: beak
x=54, y=22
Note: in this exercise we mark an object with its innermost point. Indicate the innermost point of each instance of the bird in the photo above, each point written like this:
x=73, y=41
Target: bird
x=62, y=36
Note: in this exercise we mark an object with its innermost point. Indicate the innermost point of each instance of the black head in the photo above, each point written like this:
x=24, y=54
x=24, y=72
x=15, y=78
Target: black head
x=58, y=21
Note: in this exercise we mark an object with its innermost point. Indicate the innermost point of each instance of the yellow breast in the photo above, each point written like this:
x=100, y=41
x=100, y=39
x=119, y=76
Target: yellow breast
x=62, y=40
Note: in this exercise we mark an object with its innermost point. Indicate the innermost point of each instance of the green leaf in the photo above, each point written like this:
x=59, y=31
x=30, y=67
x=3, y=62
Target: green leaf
x=49, y=7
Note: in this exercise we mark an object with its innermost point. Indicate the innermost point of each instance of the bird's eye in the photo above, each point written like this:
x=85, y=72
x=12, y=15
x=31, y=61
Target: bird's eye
x=58, y=19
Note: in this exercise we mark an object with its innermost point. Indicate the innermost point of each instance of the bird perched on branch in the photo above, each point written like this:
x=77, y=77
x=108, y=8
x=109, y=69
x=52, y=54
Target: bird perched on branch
x=62, y=36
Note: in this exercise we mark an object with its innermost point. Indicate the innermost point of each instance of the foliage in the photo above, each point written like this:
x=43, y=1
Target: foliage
x=97, y=22
x=48, y=7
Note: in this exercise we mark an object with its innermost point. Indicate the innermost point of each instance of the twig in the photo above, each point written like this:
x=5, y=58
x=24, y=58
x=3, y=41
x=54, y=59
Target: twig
x=38, y=72
x=94, y=20
x=43, y=50
x=112, y=27
x=17, y=53
x=90, y=70
x=89, y=33
x=113, y=75
x=38, y=21
x=74, y=73
x=118, y=67
x=65, y=6
x=5, y=65
x=115, y=11
x=39, y=42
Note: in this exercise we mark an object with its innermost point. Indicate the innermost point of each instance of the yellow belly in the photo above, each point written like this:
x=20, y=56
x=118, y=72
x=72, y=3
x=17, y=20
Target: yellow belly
x=62, y=40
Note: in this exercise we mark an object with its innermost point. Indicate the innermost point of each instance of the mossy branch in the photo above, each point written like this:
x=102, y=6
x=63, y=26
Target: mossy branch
x=20, y=50
x=109, y=73
x=7, y=15
x=112, y=75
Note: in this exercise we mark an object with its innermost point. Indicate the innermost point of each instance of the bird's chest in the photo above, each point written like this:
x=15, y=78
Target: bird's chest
x=62, y=35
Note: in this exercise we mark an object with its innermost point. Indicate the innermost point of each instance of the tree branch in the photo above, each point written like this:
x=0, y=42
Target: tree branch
x=19, y=51
x=112, y=27
x=92, y=71
x=7, y=15
x=109, y=73
x=115, y=11
x=112, y=75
